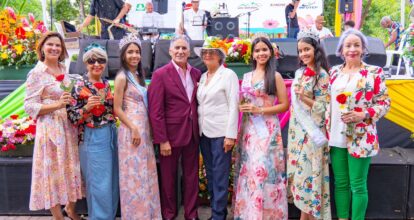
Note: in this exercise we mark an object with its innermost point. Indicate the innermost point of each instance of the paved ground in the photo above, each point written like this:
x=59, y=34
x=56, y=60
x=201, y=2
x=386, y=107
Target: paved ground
x=203, y=212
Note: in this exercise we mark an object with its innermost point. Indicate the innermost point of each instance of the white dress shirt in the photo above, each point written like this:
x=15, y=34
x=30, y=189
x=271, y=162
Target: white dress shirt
x=218, y=101
x=323, y=33
x=193, y=24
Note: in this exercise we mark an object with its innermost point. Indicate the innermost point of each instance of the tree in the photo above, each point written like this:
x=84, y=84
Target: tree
x=64, y=10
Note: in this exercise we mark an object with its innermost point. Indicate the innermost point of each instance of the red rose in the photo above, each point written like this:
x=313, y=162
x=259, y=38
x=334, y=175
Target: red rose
x=361, y=125
x=368, y=95
x=370, y=138
x=14, y=117
x=3, y=40
x=309, y=72
x=99, y=85
x=377, y=83
x=355, y=155
x=31, y=130
x=364, y=73
x=371, y=112
x=341, y=98
x=98, y=110
x=244, y=49
x=358, y=109
x=358, y=96
x=60, y=77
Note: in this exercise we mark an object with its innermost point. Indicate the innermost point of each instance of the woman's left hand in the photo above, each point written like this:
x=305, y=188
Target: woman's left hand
x=228, y=144
x=353, y=117
x=250, y=108
x=300, y=92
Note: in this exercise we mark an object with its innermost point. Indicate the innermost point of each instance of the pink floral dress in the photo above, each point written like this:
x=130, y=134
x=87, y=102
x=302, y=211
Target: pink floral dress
x=56, y=177
x=260, y=178
x=137, y=168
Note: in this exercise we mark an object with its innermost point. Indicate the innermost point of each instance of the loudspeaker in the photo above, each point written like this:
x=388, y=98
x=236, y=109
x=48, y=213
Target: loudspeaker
x=376, y=52
x=289, y=61
x=346, y=6
x=224, y=27
x=329, y=45
x=160, y=6
x=162, y=56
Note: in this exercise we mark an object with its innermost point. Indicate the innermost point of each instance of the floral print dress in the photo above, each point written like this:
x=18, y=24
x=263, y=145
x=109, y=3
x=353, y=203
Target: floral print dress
x=308, y=165
x=138, y=178
x=56, y=175
x=260, y=178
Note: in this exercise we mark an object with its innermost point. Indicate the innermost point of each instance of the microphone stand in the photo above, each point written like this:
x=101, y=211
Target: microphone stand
x=249, y=13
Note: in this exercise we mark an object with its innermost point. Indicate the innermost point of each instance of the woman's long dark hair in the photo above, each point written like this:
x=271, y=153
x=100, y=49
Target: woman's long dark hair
x=270, y=70
x=319, y=57
x=125, y=67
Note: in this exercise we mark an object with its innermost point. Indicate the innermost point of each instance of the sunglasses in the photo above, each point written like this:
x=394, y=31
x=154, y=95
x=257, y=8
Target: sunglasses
x=93, y=61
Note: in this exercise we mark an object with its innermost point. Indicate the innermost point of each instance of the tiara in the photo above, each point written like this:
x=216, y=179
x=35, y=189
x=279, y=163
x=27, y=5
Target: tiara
x=93, y=45
x=129, y=38
x=308, y=33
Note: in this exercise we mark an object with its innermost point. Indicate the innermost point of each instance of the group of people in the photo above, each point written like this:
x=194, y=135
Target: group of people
x=79, y=151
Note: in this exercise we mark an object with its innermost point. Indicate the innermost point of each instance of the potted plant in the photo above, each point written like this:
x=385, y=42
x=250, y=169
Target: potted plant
x=17, y=136
x=18, y=40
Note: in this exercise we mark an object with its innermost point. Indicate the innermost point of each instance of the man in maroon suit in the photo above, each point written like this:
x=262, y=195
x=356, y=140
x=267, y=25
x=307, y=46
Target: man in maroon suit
x=174, y=121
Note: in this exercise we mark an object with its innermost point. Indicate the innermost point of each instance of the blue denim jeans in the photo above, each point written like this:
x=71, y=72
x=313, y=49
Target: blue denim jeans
x=217, y=165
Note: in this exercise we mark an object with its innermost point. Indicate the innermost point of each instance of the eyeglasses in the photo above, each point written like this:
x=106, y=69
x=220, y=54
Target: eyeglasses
x=93, y=61
x=208, y=52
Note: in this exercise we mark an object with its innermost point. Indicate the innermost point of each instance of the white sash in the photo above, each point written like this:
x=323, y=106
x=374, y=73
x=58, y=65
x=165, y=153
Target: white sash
x=303, y=116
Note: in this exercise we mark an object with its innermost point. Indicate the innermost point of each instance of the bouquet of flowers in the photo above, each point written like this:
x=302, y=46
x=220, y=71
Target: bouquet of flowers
x=15, y=130
x=18, y=38
x=239, y=51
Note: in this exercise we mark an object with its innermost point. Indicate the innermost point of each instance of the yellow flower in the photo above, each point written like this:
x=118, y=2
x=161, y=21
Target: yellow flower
x=29, y=34
x=4, y=56
x=202, y=187
x=347, y=93
x=342, y=107
x=19, y=49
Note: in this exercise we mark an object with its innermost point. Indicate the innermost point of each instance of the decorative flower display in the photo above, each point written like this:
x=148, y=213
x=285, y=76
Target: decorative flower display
x=18, y=38
x=16, y=130
x=239, y=51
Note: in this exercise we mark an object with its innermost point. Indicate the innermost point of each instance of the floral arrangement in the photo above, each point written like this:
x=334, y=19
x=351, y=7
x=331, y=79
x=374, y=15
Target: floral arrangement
x=15, y=130
x=408, y=51
x=18, y=38
x=239, y=51
x=344, y=99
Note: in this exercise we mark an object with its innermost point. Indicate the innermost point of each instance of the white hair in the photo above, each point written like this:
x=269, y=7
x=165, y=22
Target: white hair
x=180, y=37
x=345, y=35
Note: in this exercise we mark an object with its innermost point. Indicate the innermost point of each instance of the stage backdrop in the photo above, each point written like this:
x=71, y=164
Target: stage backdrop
x=266, y=16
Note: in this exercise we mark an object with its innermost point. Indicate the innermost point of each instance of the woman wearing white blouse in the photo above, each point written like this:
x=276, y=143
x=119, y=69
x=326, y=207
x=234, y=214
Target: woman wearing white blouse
x=217, y=97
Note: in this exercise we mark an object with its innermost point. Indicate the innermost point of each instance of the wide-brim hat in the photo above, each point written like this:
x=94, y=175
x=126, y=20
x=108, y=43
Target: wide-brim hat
x=212, y=43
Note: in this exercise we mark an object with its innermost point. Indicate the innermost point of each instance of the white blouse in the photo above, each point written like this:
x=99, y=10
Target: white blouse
x=338, y=128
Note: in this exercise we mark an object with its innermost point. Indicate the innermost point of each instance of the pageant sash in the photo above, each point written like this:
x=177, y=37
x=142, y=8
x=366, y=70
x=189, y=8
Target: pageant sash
x=140, y=88
x=303, y=116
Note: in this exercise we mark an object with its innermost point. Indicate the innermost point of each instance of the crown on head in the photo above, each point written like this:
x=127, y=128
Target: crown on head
x=129, y=38
x=308, y=33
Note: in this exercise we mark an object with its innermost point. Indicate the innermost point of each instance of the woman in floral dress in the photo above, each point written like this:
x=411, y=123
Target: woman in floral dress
x=260, y=178
x=56, y=177
x=308, y=151
x=92, y=111
x=137, y=168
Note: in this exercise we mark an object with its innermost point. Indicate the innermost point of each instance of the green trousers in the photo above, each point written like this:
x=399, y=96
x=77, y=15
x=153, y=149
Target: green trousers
x=350, y=176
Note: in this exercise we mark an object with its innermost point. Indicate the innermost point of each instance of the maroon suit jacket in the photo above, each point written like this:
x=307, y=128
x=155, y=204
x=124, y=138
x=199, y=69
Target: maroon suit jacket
x=173, y=118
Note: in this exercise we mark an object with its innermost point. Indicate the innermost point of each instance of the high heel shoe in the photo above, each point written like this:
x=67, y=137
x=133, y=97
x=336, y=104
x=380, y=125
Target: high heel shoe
x=65, y=214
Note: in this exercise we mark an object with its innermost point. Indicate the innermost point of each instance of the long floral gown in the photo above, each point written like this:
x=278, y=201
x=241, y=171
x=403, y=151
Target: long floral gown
x=56, y=176
x=137, y=168
x=260, y=178
x=307, y=166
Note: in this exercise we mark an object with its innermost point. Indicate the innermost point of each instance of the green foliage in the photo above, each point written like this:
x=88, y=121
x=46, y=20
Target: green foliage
x=31, y=6
x=63, y=10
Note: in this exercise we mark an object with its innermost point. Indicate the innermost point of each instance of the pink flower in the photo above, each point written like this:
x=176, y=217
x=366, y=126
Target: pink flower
x=31, y=17
x=261, y=173
x=258, y=203
x=11, y=13
x=364, y=72
x=25, y=22
x=270, y=24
